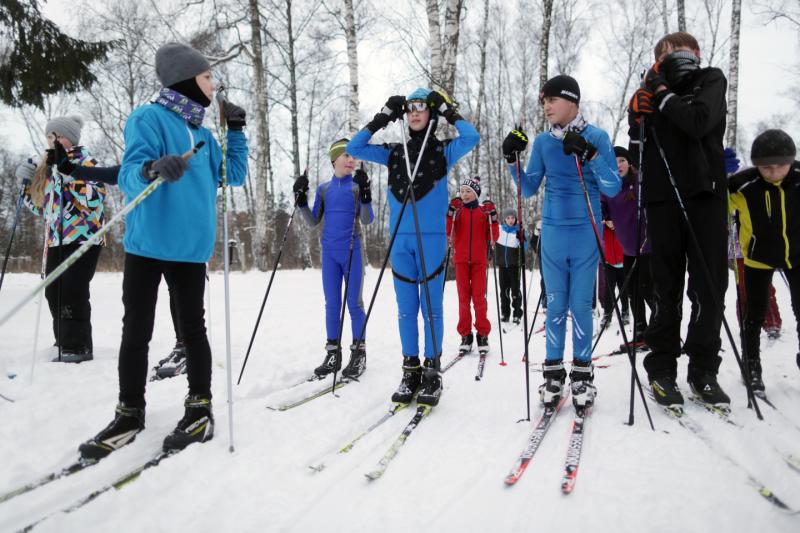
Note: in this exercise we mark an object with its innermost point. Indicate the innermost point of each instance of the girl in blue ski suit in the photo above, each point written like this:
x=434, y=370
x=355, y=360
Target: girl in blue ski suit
x=430, y=191
x=569, y=247
x=343, y=203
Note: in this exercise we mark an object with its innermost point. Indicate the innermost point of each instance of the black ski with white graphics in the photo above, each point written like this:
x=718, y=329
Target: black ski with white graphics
x=481, y=366
x=574, y=449
x=73, y=468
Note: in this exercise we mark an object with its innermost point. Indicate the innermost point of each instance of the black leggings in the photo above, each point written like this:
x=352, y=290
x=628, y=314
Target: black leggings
x=756, y=285
x=140, y=282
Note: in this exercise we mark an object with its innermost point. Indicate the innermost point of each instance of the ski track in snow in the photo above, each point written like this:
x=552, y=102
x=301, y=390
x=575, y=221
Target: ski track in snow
x=447, y=477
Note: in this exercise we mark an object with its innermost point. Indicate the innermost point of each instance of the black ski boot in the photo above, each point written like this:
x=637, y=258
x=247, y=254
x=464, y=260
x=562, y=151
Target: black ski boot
x=332, y=361
x=551, y=391
x=504, y=318
x=358, y=360
x=172, y=365
x=75, y=355
x=605, y=321
x=626, y=318
x=128, y=421
x=754, y=375
x=412, y=378
x=666, y=392
x=432, y=386
x=483, y=345
x=197, y=424
x=517, y=320
x=582, y=384
x=707, y=390
x=466, y=344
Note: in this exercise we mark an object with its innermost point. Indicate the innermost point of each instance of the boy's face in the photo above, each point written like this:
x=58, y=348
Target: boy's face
x=559, y=111
x=205, y=81
x=511, y=220
x=623, y=166
x=774, y=173
x=467, y=194
x=344, y=165
x=418, y=114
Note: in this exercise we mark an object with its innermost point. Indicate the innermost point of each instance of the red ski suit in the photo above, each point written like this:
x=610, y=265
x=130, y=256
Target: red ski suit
x=471, y=228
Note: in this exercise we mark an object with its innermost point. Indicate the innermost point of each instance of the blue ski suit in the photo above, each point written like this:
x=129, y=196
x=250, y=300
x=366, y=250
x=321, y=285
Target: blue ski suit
x=338, y=206
x=569, y=253
x=430, y=190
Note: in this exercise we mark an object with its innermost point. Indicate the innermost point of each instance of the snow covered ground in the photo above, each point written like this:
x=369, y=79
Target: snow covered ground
x=448, y=477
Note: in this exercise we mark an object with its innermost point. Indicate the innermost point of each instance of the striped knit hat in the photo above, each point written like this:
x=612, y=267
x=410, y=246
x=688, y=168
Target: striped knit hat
x=473, y=183
x=337, y=148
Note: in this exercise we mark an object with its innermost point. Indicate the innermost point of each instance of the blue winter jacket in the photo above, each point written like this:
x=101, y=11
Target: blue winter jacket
x=177, y=222
x=432, y=208
x=564, y=204
x=336, y=204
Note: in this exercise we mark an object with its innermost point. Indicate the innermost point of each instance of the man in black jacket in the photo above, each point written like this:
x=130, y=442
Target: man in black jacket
x=681, y=110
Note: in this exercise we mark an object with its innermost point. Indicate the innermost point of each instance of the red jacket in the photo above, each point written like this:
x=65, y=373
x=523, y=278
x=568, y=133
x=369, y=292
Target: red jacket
x=613, y=249
x=474, y=229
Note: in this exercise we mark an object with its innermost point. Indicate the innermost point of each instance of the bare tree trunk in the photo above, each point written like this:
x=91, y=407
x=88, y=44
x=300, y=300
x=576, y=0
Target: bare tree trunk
x=476, y=153
x=292, y=64
x=733, y=73
x=681, y=15
x=352, y=63
x=665, y=16
x=263, y=171
x=544, y=46
x=452, y=26
x=435, y=41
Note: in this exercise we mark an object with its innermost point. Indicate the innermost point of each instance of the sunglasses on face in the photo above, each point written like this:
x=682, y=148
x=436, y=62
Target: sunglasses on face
x=416, y=105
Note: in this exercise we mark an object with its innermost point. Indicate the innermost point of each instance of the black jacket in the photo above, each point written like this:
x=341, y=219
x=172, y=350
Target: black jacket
x=769, y=218
x=690, y=126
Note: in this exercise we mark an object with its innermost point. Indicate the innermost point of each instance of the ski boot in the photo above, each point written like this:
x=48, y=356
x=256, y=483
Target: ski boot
x=707, y=390
x=605, y=321
x=197, y=424
x=754, y=375
x=172, y=365
x=582, y=384
x=504, y=318
x=128, y=421
x=75, y=355
x=358, y=360
x=466, y=344
x=774, y=334
x=483, y=344
x=412, y=378
x=552, y=389
x=431, y=388
x=332, y=361
x=666, y=393
x=517, y=320
x=626, y=318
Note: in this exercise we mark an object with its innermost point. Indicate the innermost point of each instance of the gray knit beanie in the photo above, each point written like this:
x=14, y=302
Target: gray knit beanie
x=177, y=62
x=509, y=212
x=68, y=126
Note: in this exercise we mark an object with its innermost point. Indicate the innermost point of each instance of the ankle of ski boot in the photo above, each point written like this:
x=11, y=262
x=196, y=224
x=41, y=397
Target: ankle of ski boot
x=411, y=364
x=582, y=371
x=432, y=363
x=554, y=370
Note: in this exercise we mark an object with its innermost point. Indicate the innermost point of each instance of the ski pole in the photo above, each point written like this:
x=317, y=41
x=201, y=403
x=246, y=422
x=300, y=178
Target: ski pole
x=60, y=250
x=266, y=294
x=497, y=301
x=446, y=264
x=20, y=199
x=94, y=239
x=751, y=400
x=39, y=308
x=599, y=244
x=223, y=129
x=521, y=239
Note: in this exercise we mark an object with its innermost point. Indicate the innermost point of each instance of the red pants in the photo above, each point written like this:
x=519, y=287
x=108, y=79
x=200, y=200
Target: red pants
x=772, y=318
x=471, y=284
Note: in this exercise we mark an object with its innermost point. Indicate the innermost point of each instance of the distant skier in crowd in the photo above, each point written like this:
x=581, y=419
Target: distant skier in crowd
x=568, y=244
x=429, y=187
x=767, y=199
x=506, y=257
x=682, y=106
x=472, y=230
x=73, y=210
x=172, y=235
x=343, y=204
x=611, y=277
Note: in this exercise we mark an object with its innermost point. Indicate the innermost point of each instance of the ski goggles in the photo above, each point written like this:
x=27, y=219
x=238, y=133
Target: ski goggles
x=416, y=105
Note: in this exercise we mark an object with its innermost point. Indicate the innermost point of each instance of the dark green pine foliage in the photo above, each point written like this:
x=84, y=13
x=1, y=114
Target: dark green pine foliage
x=37, y=59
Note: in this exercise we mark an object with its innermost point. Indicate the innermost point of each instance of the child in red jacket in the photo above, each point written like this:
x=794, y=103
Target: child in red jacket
x=472, y=228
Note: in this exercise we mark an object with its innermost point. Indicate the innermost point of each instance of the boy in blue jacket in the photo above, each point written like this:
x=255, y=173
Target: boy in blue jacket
x=344, y=203
x=170, y=234
x=568, y=242
x=429, y=187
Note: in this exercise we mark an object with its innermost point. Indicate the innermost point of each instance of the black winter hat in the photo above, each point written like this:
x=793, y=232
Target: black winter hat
x=620, y=151
x=562, y=86
x=773, y=147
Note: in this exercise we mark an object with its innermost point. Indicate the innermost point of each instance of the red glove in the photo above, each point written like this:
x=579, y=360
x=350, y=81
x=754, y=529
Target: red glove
x=641, y=102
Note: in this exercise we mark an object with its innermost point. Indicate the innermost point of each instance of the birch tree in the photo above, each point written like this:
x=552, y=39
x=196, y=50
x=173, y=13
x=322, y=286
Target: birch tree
x=544, y=55
x=733, y=73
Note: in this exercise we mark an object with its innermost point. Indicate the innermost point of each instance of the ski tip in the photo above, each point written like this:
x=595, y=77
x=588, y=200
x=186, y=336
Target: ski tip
x=503, y=363
x=317, y=468
x=477, y=378
x=510, y=481
x=372, y=476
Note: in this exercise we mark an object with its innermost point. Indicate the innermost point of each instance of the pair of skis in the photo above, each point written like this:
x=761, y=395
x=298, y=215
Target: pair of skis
x=574, y=448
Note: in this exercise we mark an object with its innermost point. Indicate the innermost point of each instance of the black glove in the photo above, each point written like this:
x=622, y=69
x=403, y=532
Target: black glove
x=300, y=189
x=574, y=143
x=441, y=103
x=50, y=156
x=235, y=116
x=654, y=79
x=63, y=164
x=516, y=141
x=169, y=167
x=361, y=179
x=391, y=111
x=26, y=171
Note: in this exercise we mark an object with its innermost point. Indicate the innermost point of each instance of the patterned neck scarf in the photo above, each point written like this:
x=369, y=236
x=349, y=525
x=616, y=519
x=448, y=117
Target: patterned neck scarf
x=182, y=105
x=577, y=125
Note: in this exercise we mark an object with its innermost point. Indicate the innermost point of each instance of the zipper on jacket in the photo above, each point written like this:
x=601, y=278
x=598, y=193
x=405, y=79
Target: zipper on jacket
x=768, y=203
x=783, y=225
x=469, y=260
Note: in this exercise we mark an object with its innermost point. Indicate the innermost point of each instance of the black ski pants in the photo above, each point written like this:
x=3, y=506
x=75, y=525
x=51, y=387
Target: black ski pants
x=756, y=286
x=510, y=293
x=640, y=290
x=673, y=254
x=140, y=282
x=613, y=279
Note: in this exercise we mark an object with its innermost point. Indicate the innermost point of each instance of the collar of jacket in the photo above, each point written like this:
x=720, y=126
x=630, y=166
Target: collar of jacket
x=509, y=229
x=472, y=205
